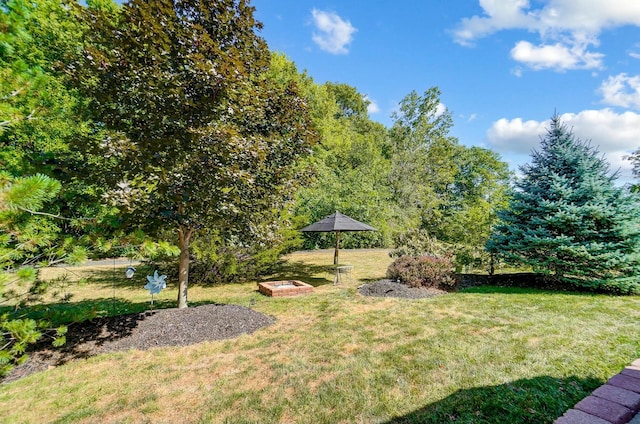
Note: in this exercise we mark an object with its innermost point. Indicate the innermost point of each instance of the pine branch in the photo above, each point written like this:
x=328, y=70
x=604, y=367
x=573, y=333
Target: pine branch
x=52, y=215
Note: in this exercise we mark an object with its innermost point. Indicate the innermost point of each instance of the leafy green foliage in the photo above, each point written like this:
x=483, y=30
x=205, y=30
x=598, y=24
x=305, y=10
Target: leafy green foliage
x=218, y=260
x=40, y=118
x=447, y=189
x=28, y=94
x=567, y=218
x=412, y=176
x=36, y=112
x=423, y=271
x=348, y=168
x=418, y=242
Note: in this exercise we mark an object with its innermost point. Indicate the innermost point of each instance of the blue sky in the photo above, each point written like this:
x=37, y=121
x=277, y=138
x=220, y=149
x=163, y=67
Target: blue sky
x=503, y=66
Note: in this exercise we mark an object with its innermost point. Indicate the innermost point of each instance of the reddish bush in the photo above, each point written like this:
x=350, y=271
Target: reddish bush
x=423, y=271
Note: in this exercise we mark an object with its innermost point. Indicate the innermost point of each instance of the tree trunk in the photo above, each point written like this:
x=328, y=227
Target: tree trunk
x=184, y=238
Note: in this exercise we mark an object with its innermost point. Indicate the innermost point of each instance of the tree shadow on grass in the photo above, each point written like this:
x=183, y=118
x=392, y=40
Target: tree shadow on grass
x=523, y=282
x=371, y=280
x=521, y=290
x=316, y=275
x=62, y=313
x=106, y=278
x=538, y=400
x=91, y=324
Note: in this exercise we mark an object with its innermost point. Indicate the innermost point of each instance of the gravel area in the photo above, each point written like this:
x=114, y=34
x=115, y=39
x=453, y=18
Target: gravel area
x=389, y=288
x=163, y=327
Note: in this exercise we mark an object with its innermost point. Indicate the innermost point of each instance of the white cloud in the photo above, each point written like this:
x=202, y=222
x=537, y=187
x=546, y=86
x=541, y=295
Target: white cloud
x=517, y=71
x=566, y=28
x=333, y=34
x=555, y=56
x=372, y=107
x=555, y=16
x=616, y=134
x=500, y=15
x=515, y=135
x=621, y=90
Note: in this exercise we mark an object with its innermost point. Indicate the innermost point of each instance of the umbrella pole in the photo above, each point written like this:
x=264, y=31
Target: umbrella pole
x=335, y=254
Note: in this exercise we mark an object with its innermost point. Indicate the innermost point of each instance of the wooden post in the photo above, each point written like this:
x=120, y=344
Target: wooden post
x=335, y=254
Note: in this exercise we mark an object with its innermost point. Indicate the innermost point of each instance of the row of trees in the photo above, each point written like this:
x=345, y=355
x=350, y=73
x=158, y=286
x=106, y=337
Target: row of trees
x=377, y=175
x=157, y=119
x=161, y=123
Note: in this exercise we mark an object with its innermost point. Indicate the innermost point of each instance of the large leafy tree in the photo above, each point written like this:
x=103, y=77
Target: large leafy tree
x=478, y=190
x=206, y=140
x=36, y=109
x=448, y=190
x=421, y=152
x=567, y=218
x=350, y=171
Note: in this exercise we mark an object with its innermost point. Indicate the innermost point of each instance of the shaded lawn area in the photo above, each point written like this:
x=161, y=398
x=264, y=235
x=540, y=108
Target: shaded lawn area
x=484, y=355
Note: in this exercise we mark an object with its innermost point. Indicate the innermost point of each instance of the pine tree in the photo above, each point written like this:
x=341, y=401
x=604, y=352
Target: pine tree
x=568, y=219
x=25, y=232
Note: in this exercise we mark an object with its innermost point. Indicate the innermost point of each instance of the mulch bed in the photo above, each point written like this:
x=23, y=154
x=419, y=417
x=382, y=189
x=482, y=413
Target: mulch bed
x=389, y=288
x=163, y=327
x=172, y=327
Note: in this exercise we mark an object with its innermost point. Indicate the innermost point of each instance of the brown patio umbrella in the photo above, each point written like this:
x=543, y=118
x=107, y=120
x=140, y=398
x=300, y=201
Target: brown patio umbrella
x=337, y=222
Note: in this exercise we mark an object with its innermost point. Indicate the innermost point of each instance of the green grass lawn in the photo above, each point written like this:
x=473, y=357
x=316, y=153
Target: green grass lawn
x=485, y=355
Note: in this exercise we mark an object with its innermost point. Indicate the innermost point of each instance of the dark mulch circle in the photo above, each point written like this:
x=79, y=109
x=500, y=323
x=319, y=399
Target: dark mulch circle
x=389, y=288
x=163, y=327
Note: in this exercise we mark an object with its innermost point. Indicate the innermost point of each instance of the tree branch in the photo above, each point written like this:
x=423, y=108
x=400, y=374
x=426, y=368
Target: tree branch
x=51, y=215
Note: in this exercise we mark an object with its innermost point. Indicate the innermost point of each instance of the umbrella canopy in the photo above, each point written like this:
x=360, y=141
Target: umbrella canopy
x=337, y=222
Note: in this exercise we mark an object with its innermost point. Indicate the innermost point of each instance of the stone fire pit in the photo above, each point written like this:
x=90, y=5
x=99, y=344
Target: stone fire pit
x=284, y=288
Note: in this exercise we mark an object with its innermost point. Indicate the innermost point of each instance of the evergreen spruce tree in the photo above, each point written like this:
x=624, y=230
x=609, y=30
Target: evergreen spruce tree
x=568, y=219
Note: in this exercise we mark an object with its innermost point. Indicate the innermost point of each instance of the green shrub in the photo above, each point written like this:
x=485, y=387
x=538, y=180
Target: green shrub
x=418, y=242
x=423, y=271
x=468, y=258
x=228, y=265
x=215, y=260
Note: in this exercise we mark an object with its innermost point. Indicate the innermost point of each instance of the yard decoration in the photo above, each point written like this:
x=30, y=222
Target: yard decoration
x=129, y=272
x=156, y=284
